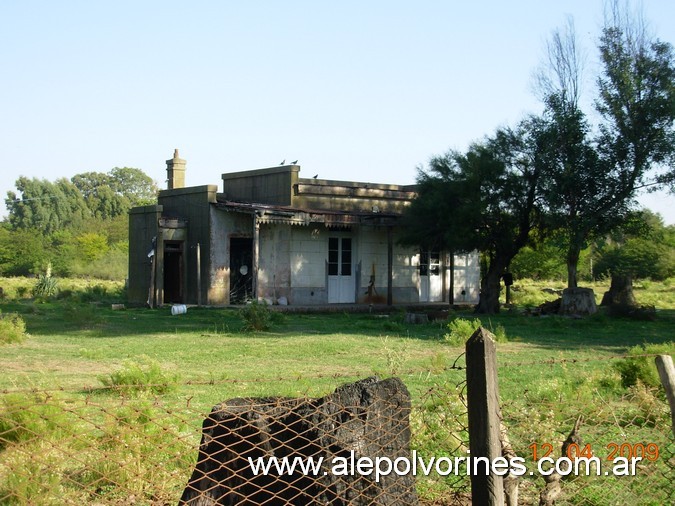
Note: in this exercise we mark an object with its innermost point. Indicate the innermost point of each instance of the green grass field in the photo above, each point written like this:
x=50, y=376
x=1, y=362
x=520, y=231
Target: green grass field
x=551, y=370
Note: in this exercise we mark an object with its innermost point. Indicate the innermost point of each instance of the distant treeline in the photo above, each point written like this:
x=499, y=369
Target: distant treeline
x=78, y=226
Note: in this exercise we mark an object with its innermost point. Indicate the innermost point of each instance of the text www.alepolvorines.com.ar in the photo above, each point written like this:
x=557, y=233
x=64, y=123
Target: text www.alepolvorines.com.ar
x=443, y=466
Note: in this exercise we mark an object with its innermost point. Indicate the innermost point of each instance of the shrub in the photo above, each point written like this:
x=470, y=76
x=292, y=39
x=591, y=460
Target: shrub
x=94, y=293
x=92, y=246
x=257, y=316
x=113, y=265
x=141, y=375
x=12, y=328
x=638, y=368
x=462, y=329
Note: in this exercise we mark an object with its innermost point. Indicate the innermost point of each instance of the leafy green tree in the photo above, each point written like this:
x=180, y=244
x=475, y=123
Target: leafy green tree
x=79, y=226
x=135, y=185
x=22, y=252
x=576, y=183
x=103, y=202
x=112, y=194
x=116, y=229
x=643, y=248
x=539, y=262
x=637, y=103
x=590, y=182
x=45, y=206
x=542, y=260
x=482, y=200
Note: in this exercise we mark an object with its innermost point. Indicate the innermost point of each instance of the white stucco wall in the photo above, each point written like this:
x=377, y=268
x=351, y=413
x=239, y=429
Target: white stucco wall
x=308, y=256
x=274, y=273
x=467, y=278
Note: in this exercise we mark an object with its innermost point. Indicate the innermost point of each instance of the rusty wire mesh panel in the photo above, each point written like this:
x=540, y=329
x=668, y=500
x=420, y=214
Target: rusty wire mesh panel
x=440, y=431
x=65, y=448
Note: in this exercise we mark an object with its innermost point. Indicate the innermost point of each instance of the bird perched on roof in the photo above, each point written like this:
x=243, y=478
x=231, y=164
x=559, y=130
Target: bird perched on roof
x=315, y=176
x=282, y=162
x=295, y=162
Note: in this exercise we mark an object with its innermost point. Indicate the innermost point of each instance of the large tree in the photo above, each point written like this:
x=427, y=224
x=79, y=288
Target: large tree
x=577, y=183
x=484, y=199
x=591, y=180
x=112, y=194
x=134, y=184
x=637, y=103
x=49, y=206
x=45, y=206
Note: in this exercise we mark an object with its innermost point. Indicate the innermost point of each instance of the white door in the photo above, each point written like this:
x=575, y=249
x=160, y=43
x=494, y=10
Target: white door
x=431, y=282
x=340, y=271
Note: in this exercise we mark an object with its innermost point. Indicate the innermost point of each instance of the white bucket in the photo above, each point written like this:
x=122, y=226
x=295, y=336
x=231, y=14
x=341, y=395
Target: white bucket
x=178, y=309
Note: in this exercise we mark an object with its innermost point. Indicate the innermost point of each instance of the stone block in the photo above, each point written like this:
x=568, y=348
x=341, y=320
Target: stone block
x=368, y=418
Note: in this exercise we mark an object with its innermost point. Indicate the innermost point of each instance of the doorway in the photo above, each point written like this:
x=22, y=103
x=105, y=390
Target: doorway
x=241, y=270
x=431, y=281
x=173, y=272
x=340, y=271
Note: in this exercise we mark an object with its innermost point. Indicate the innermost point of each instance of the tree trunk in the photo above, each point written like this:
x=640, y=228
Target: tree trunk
x=578, y=302
x=572, y=259
x=620, y=292
x=490, y=286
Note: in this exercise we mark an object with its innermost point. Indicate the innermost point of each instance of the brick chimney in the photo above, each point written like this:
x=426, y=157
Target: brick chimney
x=175, y=170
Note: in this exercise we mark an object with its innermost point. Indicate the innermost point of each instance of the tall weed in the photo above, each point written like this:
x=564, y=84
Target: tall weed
x=103, y=455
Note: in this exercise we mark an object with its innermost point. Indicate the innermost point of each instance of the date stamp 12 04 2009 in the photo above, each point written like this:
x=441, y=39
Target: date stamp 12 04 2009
x=649, y=451
x=623, y=458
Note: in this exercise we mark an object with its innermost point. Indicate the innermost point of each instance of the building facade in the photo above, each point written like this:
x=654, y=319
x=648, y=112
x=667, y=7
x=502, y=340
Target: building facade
x=273, y=235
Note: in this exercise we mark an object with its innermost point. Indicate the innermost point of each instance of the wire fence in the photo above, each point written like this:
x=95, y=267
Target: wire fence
x=110, y=447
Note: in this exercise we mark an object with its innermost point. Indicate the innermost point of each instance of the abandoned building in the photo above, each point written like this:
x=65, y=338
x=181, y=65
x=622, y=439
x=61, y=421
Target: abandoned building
x=273, y=235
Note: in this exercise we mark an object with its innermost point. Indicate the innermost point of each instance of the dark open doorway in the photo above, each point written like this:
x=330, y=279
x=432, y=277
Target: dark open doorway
x=241, y=269
x=173, y=272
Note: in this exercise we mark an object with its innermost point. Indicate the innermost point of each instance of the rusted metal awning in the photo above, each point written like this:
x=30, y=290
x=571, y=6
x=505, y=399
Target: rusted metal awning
x=267, y=213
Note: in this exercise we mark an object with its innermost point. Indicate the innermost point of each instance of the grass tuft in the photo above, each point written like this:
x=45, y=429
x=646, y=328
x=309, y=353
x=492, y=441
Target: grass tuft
x=141, y=375
x=461, y=329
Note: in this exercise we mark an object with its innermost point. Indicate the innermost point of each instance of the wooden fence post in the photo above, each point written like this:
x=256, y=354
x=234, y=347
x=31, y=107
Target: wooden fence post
x=664, y=363
x=484, y=417
x=199, y=276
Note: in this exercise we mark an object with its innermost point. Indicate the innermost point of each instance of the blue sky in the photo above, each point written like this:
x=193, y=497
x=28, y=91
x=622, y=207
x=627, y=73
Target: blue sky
x=365, y=90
